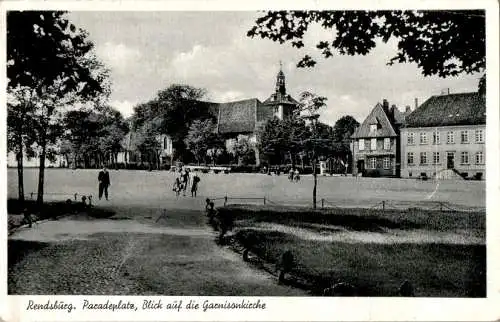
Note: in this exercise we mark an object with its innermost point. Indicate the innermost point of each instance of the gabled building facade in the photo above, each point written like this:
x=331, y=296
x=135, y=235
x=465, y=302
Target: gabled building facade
x=375, y=143
x=445, y=137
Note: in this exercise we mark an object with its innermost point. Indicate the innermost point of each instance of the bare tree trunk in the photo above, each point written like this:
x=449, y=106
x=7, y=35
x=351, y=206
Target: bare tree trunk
x=41, y=173
x=315, y=176
x=20, y=178
x=292, y=159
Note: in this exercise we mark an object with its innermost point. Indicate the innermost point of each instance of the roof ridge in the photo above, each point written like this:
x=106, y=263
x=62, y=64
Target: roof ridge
x=455, y=94
x=241, y=100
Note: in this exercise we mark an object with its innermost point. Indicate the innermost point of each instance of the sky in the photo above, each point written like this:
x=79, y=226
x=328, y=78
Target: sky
x=148, y=51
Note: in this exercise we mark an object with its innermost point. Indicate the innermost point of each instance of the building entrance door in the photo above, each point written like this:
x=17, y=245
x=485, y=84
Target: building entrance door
x=361, y=166
x=450, y=160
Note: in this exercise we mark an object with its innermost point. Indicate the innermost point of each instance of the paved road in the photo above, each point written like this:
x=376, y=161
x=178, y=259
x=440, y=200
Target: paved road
x=132, y=254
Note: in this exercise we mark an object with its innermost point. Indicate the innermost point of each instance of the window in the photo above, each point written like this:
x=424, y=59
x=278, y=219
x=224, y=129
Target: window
x=464, y=137
x=373, y=163
x=410, y=158
x=387, y=163
x=435, y=158
x=373, y=144
x=464, y=157
x=479, y=136
x=479, y=157
x=423, y=138
x=436, y=138
x=387, y=144
x=450, y=138
x=411, y=138
x=373, y=128
x=423, y=157
x=361, y=144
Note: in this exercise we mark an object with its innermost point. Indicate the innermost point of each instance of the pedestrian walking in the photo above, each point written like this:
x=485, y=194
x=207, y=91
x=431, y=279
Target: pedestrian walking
x=177, y=188
x=185, y=180
x=194, y=186
x=104, y=182
x=290, y=175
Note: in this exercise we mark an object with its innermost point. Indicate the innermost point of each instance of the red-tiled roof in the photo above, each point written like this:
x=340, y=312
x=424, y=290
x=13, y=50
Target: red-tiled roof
x=451, y=109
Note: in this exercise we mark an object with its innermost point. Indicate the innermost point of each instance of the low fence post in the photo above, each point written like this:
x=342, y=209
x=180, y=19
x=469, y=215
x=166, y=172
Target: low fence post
x=225, y=200
x=264, y=200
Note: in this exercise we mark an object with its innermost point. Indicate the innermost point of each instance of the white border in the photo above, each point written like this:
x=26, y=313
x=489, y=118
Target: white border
x=12, y=308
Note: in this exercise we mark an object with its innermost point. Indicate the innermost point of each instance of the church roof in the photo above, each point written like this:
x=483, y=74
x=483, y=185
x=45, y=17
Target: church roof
x=377, y=116
x=277, y=98
x=451, y=109
x=238, y=117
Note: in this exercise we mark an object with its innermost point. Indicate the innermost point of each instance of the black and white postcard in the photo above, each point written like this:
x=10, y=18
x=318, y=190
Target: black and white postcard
x=261, y=161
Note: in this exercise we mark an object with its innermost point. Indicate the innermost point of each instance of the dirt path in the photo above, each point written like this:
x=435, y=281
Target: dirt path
x=134, y=255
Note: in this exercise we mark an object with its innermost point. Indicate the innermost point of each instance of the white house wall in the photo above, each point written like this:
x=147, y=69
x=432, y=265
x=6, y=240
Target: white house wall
x=415, y=169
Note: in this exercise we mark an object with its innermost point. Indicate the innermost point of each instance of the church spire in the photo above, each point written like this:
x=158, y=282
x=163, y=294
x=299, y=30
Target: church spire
x=280, y=81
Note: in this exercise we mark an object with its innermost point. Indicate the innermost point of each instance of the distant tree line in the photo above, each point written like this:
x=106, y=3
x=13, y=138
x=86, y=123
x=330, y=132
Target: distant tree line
x=92, y=138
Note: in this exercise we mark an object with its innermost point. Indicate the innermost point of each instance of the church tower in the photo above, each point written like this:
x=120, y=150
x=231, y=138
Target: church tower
x=280, y=103
x=280, y=83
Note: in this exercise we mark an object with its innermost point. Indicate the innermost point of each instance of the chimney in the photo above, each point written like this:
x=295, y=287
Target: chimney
x=408, y=109
x=385, y=106
x=392, y=110
x=416, y=103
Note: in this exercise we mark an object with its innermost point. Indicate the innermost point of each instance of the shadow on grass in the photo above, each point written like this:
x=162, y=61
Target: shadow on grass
x=359, y=219
x=18, y=249
x=434, y=269
x=369, y=222
x=55, y=209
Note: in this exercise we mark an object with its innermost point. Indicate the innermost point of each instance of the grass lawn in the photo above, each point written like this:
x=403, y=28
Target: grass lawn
x=441, y=254
x=153, y=188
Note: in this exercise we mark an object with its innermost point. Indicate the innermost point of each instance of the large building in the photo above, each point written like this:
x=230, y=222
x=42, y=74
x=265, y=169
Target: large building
x=241, y=119
x=445, y=137
x=375, y=143
x=235, y=120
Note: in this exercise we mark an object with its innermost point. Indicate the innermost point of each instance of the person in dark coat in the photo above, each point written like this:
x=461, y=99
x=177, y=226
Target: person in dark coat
x=194, y=185
x=104, y=183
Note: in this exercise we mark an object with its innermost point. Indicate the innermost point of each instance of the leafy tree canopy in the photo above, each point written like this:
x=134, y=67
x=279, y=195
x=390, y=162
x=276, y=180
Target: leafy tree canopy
x=43, y=47
x=201, y=137
x=440, y=42
x=344, y=128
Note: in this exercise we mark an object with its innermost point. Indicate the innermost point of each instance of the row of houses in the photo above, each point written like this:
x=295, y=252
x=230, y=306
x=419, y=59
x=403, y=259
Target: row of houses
x=442, y=138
